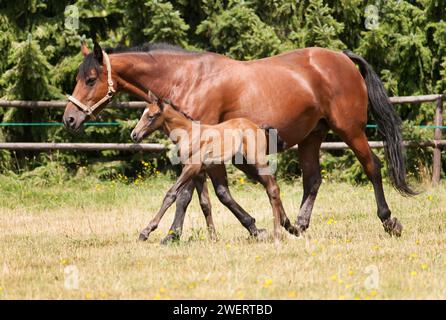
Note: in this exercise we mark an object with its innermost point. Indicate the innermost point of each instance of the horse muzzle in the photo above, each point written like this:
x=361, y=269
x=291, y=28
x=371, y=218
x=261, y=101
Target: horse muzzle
x=137, y=138
x=73, y=120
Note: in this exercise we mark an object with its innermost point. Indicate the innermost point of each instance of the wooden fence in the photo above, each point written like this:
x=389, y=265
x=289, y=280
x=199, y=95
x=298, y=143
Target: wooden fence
x=436, y=143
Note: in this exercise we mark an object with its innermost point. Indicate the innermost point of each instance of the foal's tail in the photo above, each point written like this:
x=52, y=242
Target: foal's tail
x=389, y=124
x=272, y=132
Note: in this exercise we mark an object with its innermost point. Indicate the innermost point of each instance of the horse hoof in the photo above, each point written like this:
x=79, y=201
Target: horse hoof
x=301, y=228
x=142, y=237
x=170, y=238
x=261, y=234
x=393, y=227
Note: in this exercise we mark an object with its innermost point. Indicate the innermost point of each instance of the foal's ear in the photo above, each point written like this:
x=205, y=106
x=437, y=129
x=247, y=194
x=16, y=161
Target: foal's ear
x=97, y=50
x=160, y=103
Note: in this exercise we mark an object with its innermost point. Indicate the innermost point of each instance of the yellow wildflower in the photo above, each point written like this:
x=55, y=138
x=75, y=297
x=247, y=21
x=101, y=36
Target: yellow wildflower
x=267, y=283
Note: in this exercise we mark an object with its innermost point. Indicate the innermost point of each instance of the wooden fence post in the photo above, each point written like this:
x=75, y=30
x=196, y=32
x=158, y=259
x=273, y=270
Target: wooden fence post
x=436, y=163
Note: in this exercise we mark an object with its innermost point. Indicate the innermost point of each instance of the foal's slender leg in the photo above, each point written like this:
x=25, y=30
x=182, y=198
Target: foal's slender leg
x=220, y=182
x=280, y=218
x=308, y=152
x=205, y=203
x=357, y=140
x=183, y=199
x=186, y=175
x=252, y=172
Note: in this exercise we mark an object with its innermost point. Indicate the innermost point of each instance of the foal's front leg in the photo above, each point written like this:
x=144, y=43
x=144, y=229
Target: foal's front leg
x=189, y=171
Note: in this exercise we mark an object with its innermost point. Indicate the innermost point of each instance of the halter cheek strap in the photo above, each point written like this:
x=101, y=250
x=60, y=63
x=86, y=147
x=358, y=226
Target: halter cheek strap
x=89, y=111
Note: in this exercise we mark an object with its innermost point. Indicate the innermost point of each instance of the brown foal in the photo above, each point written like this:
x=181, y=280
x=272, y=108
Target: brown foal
x=201, y=146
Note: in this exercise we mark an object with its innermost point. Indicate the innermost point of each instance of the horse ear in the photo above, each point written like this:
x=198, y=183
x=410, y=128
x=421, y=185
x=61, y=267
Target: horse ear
x=160, y=104
x=97, y=50
x=84, y=48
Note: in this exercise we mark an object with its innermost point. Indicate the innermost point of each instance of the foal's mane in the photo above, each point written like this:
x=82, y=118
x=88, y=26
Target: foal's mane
x=176, y=108
x=91, y=63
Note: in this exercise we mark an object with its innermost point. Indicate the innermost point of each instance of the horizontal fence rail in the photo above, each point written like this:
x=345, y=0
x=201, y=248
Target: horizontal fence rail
x=436, y=143
x=157, y=147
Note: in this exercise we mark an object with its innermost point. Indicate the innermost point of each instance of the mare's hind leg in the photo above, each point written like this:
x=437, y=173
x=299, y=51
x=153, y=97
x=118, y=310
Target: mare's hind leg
x=188, y=172
x=308, y=152
x=357, y=141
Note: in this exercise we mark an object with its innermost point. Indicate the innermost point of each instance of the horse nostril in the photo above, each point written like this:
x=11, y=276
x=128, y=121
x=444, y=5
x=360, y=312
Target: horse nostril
x=70, y=120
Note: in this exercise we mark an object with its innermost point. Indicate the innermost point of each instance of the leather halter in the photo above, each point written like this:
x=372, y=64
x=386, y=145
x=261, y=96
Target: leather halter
x=89, y=111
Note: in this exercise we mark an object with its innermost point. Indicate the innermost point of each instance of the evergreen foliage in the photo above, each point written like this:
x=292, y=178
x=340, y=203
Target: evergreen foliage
x=40, y=57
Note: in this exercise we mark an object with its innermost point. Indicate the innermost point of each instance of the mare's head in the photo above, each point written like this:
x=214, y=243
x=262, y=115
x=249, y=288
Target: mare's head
x=152, y=119
x=94, y=88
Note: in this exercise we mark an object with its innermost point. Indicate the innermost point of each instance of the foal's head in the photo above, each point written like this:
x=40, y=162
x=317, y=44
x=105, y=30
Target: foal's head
x=151, y=120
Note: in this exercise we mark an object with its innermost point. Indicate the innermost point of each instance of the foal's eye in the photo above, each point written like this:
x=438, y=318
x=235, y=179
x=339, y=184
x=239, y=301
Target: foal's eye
x=90, y=81
x=151, y=117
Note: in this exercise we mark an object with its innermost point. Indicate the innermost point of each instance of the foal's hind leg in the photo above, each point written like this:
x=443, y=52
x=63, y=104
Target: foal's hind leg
x=188, y=172
x=252, y=171
x=357, y=140
x=205, y=203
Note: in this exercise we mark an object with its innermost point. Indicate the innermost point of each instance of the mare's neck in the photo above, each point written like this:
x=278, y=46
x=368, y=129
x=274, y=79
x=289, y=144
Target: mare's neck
x=161, y=72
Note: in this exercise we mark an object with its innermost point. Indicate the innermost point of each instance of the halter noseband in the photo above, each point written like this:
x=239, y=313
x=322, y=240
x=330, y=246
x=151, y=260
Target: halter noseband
x=89, y=111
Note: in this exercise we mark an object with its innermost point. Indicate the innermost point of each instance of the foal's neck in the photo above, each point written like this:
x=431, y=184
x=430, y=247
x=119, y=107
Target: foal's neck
x=175, y=120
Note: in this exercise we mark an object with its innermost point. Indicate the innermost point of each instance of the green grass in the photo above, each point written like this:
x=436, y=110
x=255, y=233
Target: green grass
x=94, y=226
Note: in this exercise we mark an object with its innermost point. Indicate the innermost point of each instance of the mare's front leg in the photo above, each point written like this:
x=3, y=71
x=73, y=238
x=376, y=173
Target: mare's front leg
x=219, y=179
x=189, y=171
x=183, y=199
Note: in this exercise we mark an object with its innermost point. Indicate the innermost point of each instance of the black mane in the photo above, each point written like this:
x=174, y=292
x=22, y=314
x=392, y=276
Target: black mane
x=147, y=47
x=91, y=63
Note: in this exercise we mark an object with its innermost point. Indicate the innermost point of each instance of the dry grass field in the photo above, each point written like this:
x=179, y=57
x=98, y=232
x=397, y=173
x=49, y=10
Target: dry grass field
x=92, y=227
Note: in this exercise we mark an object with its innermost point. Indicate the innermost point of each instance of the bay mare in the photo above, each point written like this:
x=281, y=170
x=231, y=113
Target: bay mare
x=303, y=93
x=210, y=145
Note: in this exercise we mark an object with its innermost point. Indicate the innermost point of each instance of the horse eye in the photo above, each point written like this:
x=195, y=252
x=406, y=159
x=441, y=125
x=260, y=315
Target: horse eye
x=90, y=81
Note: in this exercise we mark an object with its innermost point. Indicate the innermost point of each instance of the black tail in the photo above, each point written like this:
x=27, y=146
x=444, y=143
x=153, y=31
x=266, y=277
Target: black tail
x=269, y=130
x=389, y=124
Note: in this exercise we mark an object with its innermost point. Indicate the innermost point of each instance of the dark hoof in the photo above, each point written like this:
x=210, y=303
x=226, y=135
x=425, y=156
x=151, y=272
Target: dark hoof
x=302, y=228
x=295, y=230
x=393, y=227
x=302, y=225
x=142, y=237
x=170, y=238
